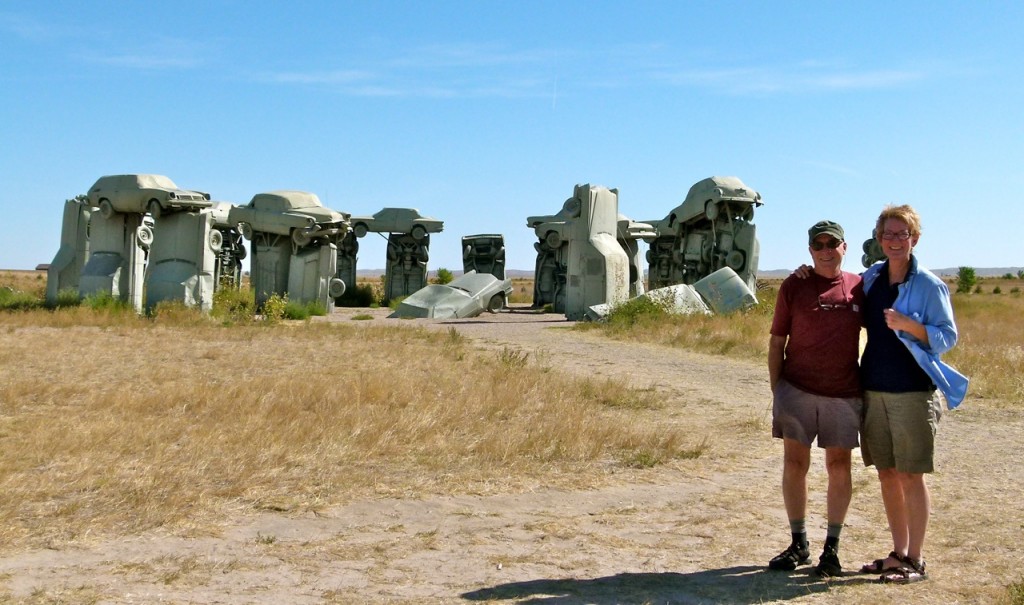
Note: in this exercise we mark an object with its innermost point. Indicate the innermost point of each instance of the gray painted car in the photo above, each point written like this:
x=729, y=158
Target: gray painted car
x=466, y=296
x=140, y=193
x=397, y=220
x=296, y=213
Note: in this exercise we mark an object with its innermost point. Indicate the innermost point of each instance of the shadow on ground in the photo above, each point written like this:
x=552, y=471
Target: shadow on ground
x=730, y=585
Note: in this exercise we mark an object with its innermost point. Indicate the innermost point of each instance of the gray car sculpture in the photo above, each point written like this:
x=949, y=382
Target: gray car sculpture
x=466, y=296
x=298, y=214
x=711, y=229
x=397, y=220
x=141, y=193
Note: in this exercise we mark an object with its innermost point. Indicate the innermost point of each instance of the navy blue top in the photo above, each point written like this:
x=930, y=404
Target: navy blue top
x=887, y=364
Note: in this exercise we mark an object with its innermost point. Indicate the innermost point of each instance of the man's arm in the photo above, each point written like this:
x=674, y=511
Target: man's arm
x=776, y=354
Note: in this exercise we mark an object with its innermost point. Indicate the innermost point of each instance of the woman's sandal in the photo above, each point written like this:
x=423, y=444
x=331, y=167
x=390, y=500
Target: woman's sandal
x=878, y=565
x=911, y=571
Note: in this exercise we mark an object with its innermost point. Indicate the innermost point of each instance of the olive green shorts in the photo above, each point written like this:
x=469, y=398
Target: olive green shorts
x=899, y=430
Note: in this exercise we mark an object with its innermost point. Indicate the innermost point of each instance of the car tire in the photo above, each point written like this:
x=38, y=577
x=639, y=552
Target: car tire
x=418, y=232
x=553, y=240
x=301, y=237
x=735, y=260
x=216, y=239
x=144, y=236
x=154, y=209
x=245, y=229
x=360, y=229
x=106, y=208
x=497, y=303
x=711, y=210
x=336, y=288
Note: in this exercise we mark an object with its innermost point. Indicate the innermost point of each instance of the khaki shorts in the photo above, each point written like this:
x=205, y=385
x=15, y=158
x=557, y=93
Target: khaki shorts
x=802, y=416
x=899, y=430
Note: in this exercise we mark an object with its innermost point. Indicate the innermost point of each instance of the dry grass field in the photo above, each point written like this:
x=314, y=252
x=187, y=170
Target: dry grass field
x=507, y=459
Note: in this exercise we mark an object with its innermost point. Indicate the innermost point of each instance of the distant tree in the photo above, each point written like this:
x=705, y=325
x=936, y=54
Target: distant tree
x=444, y=276
x=966, y=279
x=1020, y=274
x=1008, y=276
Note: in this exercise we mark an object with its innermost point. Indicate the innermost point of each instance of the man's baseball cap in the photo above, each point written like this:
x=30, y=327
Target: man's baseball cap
x=827, y=227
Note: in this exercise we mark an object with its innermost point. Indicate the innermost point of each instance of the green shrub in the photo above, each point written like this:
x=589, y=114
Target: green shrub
x=363, y=295
x=13, y=300
x=231, y=305
x=274, y=308
x=637, y=310
x=297, y=310
x=66, y=298
x=965, y=279
x=444, y=276
x=997, y=290
x=104, y=301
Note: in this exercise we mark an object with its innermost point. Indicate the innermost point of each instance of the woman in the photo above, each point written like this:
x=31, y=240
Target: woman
x=909, y=320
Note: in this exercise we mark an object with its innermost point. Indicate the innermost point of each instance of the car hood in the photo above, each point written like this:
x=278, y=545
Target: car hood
x=436, y=300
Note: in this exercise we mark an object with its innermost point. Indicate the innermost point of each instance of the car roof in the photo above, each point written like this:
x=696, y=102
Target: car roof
x=284, y=200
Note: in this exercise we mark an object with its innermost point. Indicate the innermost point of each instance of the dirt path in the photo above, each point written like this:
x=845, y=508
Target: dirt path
x=698, y=533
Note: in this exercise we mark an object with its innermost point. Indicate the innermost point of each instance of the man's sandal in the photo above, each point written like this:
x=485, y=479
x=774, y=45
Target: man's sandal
x=878, y=565
x=911, y=571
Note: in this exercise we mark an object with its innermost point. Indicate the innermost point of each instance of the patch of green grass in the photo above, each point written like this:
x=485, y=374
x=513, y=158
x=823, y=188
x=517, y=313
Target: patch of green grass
x=13, y=300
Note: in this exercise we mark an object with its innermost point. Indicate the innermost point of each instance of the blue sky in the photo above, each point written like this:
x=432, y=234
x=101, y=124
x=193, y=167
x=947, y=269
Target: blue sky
x=482, y=113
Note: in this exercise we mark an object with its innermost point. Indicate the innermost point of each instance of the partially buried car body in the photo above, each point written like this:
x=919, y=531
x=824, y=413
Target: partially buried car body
x=296, y=213
x=397, y=220
x=466, y=296
x=140, y=193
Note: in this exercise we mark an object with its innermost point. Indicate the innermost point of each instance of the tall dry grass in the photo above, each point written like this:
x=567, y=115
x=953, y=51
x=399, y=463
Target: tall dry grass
x=989, y=351
x=743, y=335
x=991, y=345
x=116, y=423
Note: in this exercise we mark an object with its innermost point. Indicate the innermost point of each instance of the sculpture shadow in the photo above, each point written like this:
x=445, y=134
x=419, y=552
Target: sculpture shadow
x=740, y=585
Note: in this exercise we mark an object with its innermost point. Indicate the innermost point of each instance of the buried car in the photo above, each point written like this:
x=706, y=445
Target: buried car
x=397, y=220
x=466, y=296
x=140, y=193
x=296, y=213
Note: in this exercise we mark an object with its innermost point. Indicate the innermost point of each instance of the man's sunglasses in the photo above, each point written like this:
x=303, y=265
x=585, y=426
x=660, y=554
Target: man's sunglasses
x=831, y=244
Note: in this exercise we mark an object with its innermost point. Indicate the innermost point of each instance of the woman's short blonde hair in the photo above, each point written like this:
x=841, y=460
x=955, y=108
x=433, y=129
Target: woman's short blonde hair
x=904, y=213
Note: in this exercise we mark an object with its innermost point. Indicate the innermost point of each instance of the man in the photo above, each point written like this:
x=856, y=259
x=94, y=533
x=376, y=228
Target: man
x=812, y=366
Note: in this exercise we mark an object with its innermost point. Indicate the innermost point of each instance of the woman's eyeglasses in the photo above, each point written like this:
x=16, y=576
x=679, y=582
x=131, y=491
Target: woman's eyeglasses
x=900, y=235
x=831, y=244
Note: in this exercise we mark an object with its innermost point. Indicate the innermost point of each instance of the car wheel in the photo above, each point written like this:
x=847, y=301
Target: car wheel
x=240, y=252
x=553, y=240
x=711, y=210
x=496, y=303
x=144, y=235
x=301, y=237
x=154, y=209
x=246, y=230
x=418, y=232
x=735, y=260
x=106, y=208
x=216, y=240
x=360, y=230
x=336, y=288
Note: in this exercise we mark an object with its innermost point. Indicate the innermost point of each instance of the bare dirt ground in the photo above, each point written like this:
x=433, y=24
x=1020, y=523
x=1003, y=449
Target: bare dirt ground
x=699, y=533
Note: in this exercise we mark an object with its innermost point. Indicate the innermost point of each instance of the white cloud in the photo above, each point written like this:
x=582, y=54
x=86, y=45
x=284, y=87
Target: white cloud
x=808, y=76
